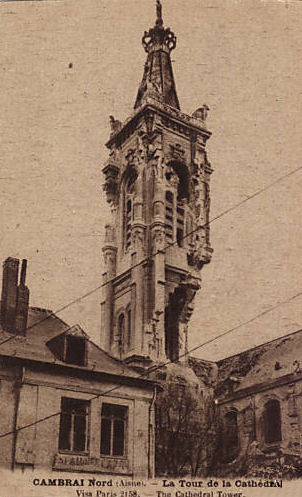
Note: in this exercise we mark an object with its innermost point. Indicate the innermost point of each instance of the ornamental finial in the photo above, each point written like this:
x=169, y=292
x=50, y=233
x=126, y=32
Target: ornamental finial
x=158, y=38
x=159, y=20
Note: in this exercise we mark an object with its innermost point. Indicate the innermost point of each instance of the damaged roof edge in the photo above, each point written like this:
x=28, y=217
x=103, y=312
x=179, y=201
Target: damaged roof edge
x=278, y=339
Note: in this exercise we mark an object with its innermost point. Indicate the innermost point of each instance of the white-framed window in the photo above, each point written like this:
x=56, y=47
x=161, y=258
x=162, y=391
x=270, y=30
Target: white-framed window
x=114, y=420
x=74, y=425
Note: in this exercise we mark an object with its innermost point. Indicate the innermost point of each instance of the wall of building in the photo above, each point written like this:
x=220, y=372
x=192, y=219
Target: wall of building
x=8, y=400
x=247, y=383
x=40, y=393
x=252, y=444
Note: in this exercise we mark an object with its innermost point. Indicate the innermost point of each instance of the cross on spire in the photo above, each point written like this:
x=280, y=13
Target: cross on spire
x=159, y=20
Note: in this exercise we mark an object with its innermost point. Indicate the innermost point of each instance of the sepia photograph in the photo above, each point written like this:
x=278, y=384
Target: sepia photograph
x=150, y=220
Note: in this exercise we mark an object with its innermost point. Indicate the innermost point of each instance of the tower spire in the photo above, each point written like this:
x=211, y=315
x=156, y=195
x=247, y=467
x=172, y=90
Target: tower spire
x=158, y=79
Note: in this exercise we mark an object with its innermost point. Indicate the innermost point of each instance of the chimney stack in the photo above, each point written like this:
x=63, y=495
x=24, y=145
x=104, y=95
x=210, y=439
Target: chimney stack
x=9, y=293
x=23, y=272
x=15, y=298
x=22, y=302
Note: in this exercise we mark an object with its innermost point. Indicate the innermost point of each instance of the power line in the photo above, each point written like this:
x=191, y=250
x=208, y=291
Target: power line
x=249, y=321
x=152, y=369
x=164, y=249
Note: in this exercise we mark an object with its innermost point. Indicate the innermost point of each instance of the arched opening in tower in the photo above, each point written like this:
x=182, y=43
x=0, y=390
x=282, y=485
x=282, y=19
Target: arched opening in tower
x=177, y=176
x=181, y=170
x=130, y=178
x=173, y=311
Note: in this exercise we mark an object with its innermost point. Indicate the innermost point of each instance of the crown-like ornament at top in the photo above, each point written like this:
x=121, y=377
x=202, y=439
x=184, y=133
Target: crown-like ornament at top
x=159, y=38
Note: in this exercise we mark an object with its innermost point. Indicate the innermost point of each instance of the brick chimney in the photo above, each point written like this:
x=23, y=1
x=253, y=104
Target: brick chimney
x=15, y=298
x=22, y=302
x=9, y=293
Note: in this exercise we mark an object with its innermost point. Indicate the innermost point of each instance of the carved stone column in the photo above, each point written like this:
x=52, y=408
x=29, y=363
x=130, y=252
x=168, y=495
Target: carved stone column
x=138, y=253
x=109, y=253
x=158, y=253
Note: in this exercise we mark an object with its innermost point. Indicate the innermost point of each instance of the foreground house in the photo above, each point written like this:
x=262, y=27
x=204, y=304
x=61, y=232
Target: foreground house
x=65, y=403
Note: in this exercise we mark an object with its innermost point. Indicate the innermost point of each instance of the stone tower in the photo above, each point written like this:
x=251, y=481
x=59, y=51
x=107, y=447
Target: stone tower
x=157, y=184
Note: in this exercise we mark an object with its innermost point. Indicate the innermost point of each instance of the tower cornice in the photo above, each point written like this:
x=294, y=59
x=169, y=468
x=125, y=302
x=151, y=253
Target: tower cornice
x=130, y=125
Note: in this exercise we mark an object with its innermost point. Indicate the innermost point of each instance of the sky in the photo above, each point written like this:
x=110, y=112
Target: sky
x=67, y=65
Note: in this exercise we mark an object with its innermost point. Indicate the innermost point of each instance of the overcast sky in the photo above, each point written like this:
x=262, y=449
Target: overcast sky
x=66, y=65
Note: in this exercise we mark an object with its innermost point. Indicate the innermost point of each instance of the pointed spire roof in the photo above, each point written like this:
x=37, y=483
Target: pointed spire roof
x=158, y=79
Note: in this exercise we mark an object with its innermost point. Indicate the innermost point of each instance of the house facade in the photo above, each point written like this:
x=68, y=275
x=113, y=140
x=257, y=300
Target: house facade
x=65, y=403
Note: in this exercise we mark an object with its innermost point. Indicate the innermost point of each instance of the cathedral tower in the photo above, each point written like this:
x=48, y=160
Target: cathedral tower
x=157, y=184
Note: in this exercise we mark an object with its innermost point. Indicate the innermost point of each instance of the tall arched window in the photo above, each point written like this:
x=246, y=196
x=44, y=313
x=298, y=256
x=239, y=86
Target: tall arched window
x=121, y=332
x=128, y=222
x=183, y=175
x=180, y=225
x=272, y=421
x=231, y=439
x=128, y=327
x=169, y=216
x=128, y=205
x=175, y=207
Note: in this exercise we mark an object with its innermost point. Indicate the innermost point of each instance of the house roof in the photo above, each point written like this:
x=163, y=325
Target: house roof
x=42, y=327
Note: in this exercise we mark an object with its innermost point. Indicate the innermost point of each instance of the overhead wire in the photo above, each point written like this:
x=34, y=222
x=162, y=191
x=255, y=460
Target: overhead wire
x=161, y=250
x=155, y=368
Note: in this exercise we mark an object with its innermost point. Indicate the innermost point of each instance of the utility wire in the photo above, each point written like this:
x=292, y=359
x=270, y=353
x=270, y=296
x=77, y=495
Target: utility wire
x=162, y=250
x=152, y=369
x=249, y=321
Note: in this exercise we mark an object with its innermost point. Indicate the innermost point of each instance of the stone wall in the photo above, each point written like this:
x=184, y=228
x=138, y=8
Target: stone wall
x=248, y=384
